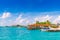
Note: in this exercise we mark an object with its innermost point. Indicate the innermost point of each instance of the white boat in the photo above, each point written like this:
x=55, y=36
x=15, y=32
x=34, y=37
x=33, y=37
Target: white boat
x=51, y=29
x=45, y=29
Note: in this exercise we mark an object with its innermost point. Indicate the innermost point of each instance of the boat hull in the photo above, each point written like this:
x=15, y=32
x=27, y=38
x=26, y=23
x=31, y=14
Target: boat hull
x=53, y=30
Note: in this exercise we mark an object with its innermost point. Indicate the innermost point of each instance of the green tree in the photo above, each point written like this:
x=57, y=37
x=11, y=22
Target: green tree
x=37, y=22
x=48, y=22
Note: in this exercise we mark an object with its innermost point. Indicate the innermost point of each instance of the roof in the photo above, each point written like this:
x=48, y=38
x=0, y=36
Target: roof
x=40, y=25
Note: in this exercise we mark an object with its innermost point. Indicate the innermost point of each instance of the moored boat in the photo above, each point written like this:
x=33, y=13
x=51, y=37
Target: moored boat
x=51, y=29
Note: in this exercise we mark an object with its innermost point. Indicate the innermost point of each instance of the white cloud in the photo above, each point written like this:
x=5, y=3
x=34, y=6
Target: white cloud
x=19, y=17
x=5, y=15
x=21, y=20
x=26, y=20
x=43, y=18
x=57, y=20
x=53, y=19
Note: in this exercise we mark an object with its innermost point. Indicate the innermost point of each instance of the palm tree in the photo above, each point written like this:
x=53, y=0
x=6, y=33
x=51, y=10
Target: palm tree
x=48, y=22
x=37, y=22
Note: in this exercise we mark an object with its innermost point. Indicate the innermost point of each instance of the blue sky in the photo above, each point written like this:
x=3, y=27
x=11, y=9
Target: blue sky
x=29, y=5
x=28, y=11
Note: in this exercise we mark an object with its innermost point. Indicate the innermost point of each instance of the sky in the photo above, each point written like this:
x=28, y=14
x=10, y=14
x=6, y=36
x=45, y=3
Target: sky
x=24, y=12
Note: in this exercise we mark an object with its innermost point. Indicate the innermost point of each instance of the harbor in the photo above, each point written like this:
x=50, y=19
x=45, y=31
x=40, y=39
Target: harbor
x=45, y=26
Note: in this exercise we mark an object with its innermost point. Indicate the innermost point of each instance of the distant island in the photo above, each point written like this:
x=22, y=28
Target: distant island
x=18, y=26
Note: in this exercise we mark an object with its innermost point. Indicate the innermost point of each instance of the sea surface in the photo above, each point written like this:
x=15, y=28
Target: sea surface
x=18, y=33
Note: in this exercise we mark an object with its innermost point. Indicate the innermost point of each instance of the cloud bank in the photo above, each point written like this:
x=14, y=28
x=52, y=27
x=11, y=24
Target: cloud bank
x=7, y=20
x=5, y=15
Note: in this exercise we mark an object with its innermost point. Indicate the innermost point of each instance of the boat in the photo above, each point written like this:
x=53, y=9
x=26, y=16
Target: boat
x=45, y=29
x=51, y=29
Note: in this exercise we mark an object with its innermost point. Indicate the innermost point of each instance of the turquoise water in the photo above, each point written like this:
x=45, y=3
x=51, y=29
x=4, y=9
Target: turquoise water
x=15, y=33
